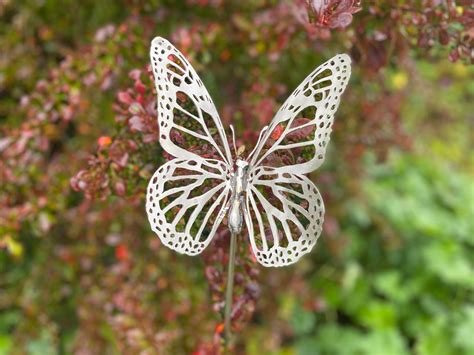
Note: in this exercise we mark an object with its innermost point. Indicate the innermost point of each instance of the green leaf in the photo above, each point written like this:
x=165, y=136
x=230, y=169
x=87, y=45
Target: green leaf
x=435, y=338
x=333, y=339
x=386, y=342
x=5, y=344
x=448, y=261
x=377, y=314
x=464, y=332
x=302, y=321
x=307, y=346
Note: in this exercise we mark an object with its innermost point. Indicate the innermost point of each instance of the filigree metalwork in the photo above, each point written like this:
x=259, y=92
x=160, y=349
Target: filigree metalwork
x=190, y=196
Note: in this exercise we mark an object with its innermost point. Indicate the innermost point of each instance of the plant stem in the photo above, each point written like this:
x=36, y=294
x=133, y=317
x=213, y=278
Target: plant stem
x=229, y=288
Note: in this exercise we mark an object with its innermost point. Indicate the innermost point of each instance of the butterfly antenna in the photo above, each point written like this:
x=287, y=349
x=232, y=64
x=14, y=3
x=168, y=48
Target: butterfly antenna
x=258, y=141
x=233, y=139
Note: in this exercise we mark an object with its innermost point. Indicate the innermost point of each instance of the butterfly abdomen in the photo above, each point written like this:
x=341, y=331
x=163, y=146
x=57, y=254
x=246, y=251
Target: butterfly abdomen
x=235, y=216
x=239, y=185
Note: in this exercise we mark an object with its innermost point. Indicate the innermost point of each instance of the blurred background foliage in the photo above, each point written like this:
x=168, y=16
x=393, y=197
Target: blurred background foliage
x=81, y=272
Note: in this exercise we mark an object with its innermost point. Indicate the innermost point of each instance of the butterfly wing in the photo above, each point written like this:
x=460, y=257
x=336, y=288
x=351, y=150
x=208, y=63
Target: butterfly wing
x=186, y=202
x=297, y=137
x=190, y=127
x=284, y=210
x=187, y=197
x=284, y=216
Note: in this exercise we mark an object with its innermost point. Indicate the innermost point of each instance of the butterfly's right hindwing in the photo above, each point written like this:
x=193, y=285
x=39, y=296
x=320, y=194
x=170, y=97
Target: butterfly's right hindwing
x=185, y=203
x=284, y=216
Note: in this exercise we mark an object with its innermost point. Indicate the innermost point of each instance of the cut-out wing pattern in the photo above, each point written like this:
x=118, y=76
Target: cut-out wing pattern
x=285, y=216
x=302, y=126
x=185, y=109
x=185, y=203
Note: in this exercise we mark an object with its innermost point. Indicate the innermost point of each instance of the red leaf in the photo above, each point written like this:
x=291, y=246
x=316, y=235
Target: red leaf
x=121, y=252
x=220, y=328
x=136, y=124
x=140, y=87
x=125, y=98
x=104, y=141
x=277, y=132
x=301, y=133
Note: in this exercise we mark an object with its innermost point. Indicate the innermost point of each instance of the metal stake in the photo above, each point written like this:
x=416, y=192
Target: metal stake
x=229, y=288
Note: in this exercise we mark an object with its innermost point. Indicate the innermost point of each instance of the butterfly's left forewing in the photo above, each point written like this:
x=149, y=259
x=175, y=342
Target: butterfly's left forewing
x=190, y=127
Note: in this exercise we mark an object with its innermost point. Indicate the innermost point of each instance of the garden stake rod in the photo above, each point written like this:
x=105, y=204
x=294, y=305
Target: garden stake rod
x=229, y=288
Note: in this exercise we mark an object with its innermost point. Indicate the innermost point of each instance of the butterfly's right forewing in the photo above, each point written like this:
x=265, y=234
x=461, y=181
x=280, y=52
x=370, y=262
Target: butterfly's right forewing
x=297, y=137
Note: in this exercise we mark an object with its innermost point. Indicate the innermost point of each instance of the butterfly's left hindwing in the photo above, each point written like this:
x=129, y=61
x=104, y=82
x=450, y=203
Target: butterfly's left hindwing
x=185, y=203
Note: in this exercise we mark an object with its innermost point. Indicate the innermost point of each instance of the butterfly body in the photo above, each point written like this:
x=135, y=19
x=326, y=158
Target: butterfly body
x=239, y=185
x=189, y=196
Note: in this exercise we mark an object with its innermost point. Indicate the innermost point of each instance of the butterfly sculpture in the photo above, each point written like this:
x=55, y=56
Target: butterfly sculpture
x=267, y=191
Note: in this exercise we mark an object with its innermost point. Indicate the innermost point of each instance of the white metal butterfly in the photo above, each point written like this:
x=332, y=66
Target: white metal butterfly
x=189, y=196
